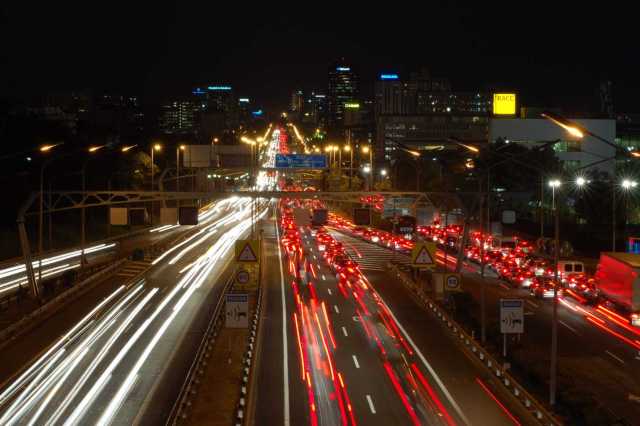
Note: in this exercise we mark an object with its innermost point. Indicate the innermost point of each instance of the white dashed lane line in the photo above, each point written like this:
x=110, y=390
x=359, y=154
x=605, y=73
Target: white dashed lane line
x=570, y=328
x=329, y=291
x=355, y=361
x=371, y=406
x=335, y=307
x=344, y=331
x=614, y=357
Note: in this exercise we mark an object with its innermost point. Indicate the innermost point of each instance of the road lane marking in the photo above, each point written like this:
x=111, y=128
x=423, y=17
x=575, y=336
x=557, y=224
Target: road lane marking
x=329, y=291
x=335, y=307
x=569, y=327
x=344, y=331
x=506, y=287
x=428, y=366
x=285, y=360
x=614, y=357
x=529, y=313
x=355, y=361
x=535, y=305
x=324, y=278
x=371, y=407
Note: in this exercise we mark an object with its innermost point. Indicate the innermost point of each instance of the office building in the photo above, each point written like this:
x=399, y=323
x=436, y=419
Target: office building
x=573, y=153
x=179, y=117
x=424, y=113
x=343, y=88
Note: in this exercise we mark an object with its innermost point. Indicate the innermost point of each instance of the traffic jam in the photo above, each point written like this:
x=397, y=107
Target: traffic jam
x=318, y=345
x=608, y=299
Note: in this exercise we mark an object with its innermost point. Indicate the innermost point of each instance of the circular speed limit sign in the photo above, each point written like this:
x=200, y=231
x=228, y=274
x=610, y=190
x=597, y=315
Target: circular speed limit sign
x=453, y=281
x=242, y=276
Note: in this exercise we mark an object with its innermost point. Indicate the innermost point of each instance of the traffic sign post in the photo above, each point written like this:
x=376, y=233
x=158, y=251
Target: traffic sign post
x=511, y=319
x=423, y=255
x=453, y=282
x=237, y=310
x=248, y=251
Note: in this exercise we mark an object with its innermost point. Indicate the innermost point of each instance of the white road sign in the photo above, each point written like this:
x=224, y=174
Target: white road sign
x=511, y=316
x=237, y=310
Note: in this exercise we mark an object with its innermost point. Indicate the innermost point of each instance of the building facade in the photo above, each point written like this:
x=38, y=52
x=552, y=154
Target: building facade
x=423, y=114
x=575, y=155
x=343, y=88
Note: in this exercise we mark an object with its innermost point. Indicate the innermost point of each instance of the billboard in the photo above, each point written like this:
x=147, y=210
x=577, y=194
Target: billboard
x=504, y=104
x=301, y=161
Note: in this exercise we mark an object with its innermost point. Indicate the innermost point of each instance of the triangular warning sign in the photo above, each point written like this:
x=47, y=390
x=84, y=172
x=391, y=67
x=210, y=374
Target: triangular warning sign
x=423, y=257
x=247, y=254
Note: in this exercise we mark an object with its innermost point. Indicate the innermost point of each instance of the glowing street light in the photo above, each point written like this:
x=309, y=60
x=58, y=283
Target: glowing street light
x=95, y=148
x=128, y=148
x=48, y=147
x=580, y=181
x=383, y=172
x=628, y=184
x=570, y=128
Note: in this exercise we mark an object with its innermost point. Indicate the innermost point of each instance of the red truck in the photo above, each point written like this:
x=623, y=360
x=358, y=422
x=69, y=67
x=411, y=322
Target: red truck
x=618, y=281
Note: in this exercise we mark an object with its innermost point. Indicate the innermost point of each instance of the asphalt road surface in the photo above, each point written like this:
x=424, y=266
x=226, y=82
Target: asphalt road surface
x=126, y=360
x=361, y=353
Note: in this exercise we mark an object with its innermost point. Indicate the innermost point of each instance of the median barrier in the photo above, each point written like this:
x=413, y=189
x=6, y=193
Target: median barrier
x=538, y=411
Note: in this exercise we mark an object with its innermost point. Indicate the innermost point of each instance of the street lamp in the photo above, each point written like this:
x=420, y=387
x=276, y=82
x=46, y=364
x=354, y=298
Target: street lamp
x=580, y=181
x=178, y=149
x=383, y=172
x=348, y=149
x=43, y=149
x=155, y=147
x=368, y=150
x=554, y=184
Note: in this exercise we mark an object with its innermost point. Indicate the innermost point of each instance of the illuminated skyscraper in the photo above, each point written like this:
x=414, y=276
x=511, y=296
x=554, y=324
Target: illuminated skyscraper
x=343, y=88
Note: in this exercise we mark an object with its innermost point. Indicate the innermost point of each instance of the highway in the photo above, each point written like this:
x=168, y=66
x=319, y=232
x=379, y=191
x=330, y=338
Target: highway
x=125, y=361
x=13, y=275
x=361, y=353
x=599, y=354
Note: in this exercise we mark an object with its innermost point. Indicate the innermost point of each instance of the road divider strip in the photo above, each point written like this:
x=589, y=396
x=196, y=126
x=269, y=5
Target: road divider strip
x=539, y=413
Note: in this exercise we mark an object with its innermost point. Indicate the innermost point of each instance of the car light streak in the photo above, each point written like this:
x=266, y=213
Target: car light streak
x=614, y=333
x=432, y=394
x=497, y=401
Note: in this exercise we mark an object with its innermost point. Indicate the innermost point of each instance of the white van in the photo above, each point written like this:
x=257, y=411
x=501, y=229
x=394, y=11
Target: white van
x=569, y=267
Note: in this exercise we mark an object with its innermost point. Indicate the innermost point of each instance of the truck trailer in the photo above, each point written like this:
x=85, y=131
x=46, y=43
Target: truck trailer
x=618, y=281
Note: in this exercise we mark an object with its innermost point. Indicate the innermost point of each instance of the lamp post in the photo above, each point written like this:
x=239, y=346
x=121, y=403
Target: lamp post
x=178, y=149
x=628, y=185
x=348, y=149
x=554, y=183
x=83, y=220
x=154, y=147
x=368, y=150
x=43, y=149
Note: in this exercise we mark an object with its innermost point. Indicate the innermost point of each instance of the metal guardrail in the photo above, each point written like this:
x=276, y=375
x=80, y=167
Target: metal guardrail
x=20, y=327
x=538, y=412
x=245, y=398
x=183, y=402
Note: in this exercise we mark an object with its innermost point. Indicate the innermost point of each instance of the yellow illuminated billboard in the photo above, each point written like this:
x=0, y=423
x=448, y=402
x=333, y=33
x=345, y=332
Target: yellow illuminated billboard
x=504, y=104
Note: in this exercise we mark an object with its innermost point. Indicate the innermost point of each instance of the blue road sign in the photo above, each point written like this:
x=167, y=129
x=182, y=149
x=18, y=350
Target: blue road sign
x=301, y=161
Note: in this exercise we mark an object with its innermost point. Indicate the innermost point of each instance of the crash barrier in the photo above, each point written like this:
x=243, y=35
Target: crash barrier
x=180, y=409
x=537, y=411
x=248, y=371
x=45, y=311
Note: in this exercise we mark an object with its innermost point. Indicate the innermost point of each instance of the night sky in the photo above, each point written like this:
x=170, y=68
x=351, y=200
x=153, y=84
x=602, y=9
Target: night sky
x=552, y=56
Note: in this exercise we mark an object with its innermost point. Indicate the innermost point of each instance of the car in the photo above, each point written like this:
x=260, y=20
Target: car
x=543, y=288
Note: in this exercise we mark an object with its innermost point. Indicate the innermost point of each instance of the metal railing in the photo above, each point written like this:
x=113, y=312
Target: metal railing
x=188, y=390
x=530, y=404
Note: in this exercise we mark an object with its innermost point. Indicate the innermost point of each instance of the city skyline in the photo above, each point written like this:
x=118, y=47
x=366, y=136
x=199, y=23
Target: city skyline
x=165, y=52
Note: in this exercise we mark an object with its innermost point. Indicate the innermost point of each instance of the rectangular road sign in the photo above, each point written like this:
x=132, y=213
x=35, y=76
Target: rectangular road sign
x=511, y=316
x=237, y=310
x=248, y=251
x=301, y=161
